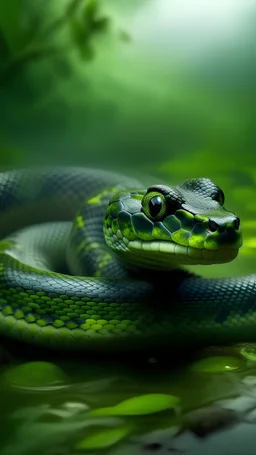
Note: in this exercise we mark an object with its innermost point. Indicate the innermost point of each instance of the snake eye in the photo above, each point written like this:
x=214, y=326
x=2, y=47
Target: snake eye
x=218, y=196
x=154, y=205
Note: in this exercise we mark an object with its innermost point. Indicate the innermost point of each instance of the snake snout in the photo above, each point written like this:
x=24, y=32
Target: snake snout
x=220, y=225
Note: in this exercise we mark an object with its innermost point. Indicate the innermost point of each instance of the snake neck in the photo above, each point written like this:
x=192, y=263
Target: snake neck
x=87, y=251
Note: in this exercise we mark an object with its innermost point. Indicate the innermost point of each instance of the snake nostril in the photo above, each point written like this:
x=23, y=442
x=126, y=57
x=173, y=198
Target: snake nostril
x=213, y=226
x=236, y=223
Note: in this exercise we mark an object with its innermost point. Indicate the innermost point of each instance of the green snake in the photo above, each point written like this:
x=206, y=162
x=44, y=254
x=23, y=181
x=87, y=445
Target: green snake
x=91, y=259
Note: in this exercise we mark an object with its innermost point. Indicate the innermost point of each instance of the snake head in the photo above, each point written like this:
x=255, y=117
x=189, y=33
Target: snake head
x=164, y=227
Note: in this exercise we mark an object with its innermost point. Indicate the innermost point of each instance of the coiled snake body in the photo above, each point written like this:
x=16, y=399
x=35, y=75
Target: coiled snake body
x=91, y=260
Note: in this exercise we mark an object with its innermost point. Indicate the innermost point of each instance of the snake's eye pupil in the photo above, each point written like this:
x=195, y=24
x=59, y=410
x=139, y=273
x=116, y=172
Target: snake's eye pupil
x=155, y=205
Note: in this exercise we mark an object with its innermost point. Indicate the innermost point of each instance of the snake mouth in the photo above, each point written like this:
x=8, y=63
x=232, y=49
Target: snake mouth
x=169, y=254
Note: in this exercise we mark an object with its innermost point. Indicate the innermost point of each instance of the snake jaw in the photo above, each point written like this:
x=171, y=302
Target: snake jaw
x=172, y=255
x=166, y=255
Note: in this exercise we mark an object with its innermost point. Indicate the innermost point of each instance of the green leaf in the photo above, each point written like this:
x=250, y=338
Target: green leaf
x=101, y=25
x=90, y=11
x=35, y=374
x=141, y=405
x=78, y=32
x=217, y=364
x=104, y=438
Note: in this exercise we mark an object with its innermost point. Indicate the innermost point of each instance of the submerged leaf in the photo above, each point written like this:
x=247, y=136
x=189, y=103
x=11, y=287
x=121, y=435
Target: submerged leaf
x=104, y=438
x=141, y=405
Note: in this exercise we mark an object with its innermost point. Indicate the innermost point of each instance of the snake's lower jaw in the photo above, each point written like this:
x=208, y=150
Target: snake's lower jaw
x=164, y=255
x=220, y=256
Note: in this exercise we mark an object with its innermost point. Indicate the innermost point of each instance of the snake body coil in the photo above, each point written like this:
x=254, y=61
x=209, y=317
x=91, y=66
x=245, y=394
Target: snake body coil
x=91, y=260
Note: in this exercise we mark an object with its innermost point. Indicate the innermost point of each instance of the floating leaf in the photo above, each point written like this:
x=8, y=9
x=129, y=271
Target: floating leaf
x=217, y=364
x=104, y=438
x=35, y=374
x=141, y=405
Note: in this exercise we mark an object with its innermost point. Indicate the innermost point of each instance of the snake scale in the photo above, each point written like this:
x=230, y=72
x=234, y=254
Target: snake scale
x=91, y=259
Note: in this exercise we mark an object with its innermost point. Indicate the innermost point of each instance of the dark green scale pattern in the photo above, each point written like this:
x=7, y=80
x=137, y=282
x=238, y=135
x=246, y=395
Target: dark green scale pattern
x=88, y=253
x=48, y=306
x=125, y=223
x=172, y=223
x=143, y=226
x=117, y=314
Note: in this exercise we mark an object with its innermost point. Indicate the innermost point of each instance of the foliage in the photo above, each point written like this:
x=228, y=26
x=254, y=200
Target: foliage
x=27, y=39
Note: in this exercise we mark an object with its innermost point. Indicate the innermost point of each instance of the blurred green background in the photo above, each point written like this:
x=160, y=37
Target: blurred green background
x=165, y=87
x=160, y=86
